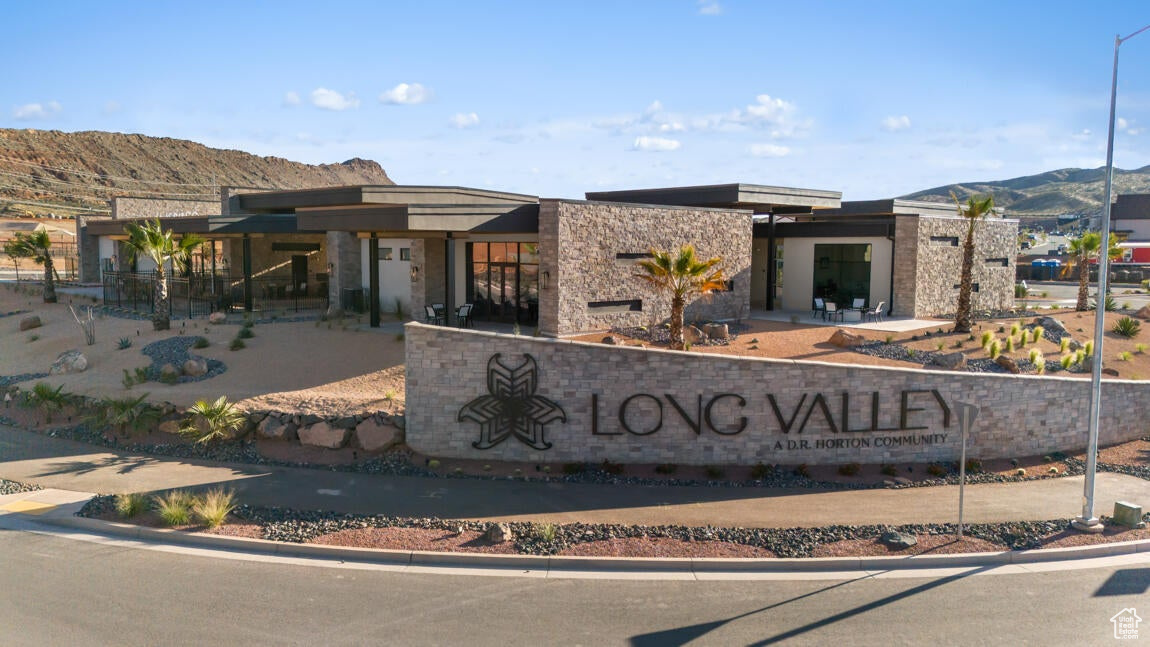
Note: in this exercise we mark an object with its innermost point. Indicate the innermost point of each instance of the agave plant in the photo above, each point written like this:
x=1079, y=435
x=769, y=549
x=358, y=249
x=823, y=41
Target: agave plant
x=210, y=421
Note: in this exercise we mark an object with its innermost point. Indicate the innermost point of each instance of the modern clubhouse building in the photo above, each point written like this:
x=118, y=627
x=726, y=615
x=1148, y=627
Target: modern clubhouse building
x=566, y=266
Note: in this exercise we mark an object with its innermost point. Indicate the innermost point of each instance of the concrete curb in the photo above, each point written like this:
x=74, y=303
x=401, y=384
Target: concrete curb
x=630, y=565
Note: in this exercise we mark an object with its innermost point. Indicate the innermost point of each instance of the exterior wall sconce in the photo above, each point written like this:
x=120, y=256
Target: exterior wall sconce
x=544, y=280
x=414, y=273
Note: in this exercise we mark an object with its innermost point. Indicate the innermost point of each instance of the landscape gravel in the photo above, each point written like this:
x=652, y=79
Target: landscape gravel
x=174, y=351
x=14, y=487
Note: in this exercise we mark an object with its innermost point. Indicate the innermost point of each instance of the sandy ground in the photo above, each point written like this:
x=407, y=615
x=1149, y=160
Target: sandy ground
x=301, y=366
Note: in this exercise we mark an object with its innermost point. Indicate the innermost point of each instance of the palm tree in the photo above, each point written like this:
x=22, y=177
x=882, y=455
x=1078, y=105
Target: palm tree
x=974, y=210
x=208, y=421
x=1084, y=249
x=38, y=247
x=153, y=242
x=12, y=251
x=684, y=276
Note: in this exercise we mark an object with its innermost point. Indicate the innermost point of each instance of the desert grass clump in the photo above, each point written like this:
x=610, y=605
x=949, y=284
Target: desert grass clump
x=1089, y=348
x=1064, y=344
x=545, y=532
x=245, y=333
x=1010, y=344
x=201, y=342
x=1015, y=329
x=214, y=506
x=1035, y=355
x=175, y=507
x=940, y=345
x=987, y=337
x=995, y=349
x=1124, y=356
x=131, y=504
x=1036, y=333
x=1140, y=348
x=237, y=344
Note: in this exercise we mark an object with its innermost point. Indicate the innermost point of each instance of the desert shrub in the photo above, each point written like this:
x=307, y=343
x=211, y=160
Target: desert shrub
x=995, y=349
x=940, y=345
x=175, y=507
x=169, y=378
x=611, y=468
x=889, y=339
x=889, y=470
x=1064, y=344
x=214, y=506
x=987, y=337
x=761, y=471
x=1036, y=333
x=849, y=469
x=1128, y=327
x=131, y=504
x=973, y=465
x=545, y=531
x=201, y=342
x=803, y=470
x=934, y=469
x=237, y=344
x=1110, y=305
x=573, y=468
x=1035, y=355
x=1124, y=356
x=1088, y=348
x=666, y=468
x=33, y=337
x=713, y=472
x=1010, y=344
x=1015, y=329
x=124, y=343
x=245, y=333
x=1019, y=291
x=910, y=353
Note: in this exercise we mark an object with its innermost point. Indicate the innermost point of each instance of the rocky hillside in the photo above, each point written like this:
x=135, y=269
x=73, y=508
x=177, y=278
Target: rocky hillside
x=48, y=171
x=1068, y=191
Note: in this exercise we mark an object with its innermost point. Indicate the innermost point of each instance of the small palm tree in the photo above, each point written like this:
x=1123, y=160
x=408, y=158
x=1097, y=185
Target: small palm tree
x=38, y=247
x=684, y=276
x=208, y=421
x=1083, y=250
x=49, y=400
x=974, y=210
x=126, y=414
x=153, y=242
x=12, y=251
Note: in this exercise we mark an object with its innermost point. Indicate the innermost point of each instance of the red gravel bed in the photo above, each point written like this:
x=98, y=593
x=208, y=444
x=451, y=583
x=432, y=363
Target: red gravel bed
x=927, y=545
x=664, y=547
x=414, y=539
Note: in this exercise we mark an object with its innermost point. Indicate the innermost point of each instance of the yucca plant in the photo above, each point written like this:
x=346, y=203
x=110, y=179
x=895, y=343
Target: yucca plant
x=211, y=421
x=214, y=506
x=1128, y=327
x=175, y=507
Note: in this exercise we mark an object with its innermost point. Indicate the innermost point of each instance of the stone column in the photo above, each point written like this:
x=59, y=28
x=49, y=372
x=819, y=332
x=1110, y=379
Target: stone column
x=905, y=267
x=344, y=259
x=549, y=265
x=88, y=247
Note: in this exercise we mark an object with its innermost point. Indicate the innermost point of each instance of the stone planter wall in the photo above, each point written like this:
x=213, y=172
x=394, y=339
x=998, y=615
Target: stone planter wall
x=370, y=432
x=480, y=395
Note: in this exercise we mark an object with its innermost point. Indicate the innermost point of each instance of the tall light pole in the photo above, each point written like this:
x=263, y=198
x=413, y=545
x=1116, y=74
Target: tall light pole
x=1087, y=522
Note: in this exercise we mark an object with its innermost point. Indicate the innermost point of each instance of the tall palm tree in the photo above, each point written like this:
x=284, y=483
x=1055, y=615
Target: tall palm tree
x=974, y=210
x=153, y=242
x=37, y=246
x=684, y=276
x=1084, y=249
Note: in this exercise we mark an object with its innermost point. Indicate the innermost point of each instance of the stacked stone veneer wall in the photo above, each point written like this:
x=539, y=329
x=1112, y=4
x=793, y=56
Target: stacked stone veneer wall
x=430, y=283
x=1020, y=416
x=579, y=243
x=124, y=207
x=928, y=264
x=89, y=252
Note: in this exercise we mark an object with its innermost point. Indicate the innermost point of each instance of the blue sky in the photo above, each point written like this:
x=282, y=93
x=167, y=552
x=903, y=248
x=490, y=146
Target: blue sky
x=874, y=99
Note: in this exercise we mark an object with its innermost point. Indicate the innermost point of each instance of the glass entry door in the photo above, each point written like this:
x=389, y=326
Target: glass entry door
x=503, y=282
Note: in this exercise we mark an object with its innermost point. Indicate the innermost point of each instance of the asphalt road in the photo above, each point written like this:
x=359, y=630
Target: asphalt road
x=57, y=591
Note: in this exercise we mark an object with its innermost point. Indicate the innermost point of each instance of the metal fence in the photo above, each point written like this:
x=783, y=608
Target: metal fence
x=200, y=294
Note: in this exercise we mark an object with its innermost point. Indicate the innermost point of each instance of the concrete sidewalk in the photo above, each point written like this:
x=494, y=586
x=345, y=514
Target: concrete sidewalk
x=67, y=465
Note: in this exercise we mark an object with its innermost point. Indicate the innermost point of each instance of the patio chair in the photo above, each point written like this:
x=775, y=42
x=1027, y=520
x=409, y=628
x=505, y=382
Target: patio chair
x=858, y=304
x=463, y=315
x=820, y=307
x=876, y=313
x=433, y=317
x=832, y=311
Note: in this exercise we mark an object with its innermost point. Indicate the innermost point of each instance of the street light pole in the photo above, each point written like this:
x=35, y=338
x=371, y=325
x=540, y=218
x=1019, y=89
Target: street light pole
x=1087, y=522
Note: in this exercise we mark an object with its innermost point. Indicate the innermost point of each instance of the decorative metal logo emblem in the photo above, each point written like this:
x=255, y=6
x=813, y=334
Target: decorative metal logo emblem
x=511, y=407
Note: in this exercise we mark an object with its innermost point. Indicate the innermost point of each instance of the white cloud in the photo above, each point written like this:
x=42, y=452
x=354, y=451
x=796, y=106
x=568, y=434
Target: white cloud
x=112, y=107
x=895, y=124
x=769, y=150
x=1127, y=127
x=406, y=94
x=464, y=119
x=655, y=144
x=710, y=7
x=291, y=98
x=32, y=111
x=332, y=100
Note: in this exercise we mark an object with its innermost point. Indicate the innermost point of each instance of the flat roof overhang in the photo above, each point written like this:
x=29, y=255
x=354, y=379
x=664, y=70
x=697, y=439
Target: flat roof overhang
x=280, y=223
x=755, y=197
x=866, y=227
x=894, y=207
x=492, y=218
x=385, y=195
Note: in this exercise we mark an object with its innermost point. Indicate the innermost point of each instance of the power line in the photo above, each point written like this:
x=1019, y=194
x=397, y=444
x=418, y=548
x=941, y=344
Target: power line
x=102, y=175
x=97, y=187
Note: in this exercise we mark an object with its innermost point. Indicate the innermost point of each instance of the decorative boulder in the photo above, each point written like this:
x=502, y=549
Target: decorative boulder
x=321, y=434
x=951, y=361
x=1143, y=312
x=28, y=322
x=70, y=361
x=1008, y=364
x=497, y=533
x=844, y=339
x=692, y=335
x=372, y=436
x=611, y=340
x=717, y=331
x=898, y=540
x=276, y=429
x=1052, y=325
x=195, y=367
x=217, y=318
x=169, y=371
x=169, y=427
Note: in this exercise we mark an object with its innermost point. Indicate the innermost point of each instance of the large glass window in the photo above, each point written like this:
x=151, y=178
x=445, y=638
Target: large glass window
x=842, y=272
x=503, y=281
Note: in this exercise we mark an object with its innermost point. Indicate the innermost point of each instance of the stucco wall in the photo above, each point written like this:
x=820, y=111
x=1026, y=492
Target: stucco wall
x=1021, y=415
x=579, y=247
